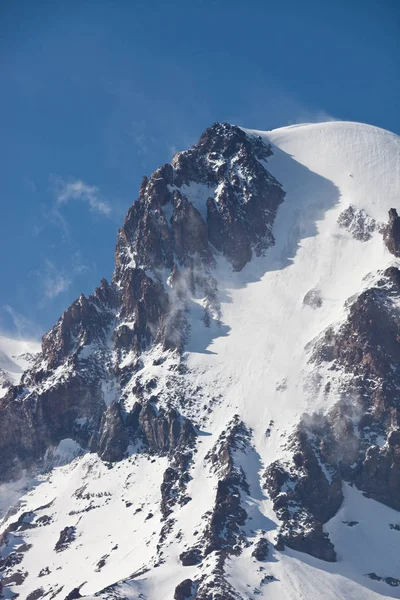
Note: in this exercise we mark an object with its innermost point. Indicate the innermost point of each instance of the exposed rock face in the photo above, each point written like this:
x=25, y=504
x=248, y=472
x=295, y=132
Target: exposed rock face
x=223, y=534
x=185, y=590
x=243, y=200
x=191, y=557
x=114, y=438
x=261, y=551
x=367, y=346
x=67, y=535
x=358, y=223
x=344, y=443
x=391, y=233
x=33, y=422
x=160, y=430
x=304, y=498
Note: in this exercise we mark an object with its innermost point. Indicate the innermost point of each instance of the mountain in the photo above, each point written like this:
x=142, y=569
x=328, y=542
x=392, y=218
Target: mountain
x=15, y=357
x=221, y=421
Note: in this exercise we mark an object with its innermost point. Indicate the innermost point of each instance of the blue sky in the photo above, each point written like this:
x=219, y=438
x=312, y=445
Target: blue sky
x=97, y=93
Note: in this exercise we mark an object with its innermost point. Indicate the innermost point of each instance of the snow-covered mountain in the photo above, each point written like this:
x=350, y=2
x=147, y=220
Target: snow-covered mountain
x=15, y=357
x=222, y=420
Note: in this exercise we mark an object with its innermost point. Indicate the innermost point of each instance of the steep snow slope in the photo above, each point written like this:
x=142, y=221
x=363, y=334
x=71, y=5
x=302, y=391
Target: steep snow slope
x=15, y=357
x=340, y=180
x=324, y=168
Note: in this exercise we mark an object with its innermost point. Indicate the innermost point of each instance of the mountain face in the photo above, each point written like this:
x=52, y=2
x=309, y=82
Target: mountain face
x=221, y=421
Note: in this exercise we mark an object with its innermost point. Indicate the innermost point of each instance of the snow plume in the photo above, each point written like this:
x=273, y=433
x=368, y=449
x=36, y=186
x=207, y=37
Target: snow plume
x=337, y=430
x=11, y=492
x=193, y=299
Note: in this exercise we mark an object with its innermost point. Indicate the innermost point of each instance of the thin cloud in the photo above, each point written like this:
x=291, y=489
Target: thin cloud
x=22, y=328
x=79, y=190
x=54, y=281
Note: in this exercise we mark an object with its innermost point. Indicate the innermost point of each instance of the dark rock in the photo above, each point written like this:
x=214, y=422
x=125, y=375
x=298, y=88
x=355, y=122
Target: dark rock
x=33, y=424
x=67, y=535
x=392, y=581
x=17, y=578
x=170, y=479
x=14, y=558
x=379, y=474
x=367, y=347
x=74, y=594
x=267, y=579
x=358, y=223
x=36, y=594
x=228, y=515
x=191, y=557
x=261, y=550
x=185, y=590
x=163, y=430
x=189, y=231
x=391, y=233
x=224, y=532
x=304, y=498
x=113, y=437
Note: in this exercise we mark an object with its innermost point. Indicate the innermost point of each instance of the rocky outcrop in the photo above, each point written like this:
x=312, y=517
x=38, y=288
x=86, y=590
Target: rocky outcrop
x=243, y=200
x=113, y=439
x=378, y=475
x=358, y=440
x=228, y=516
x=85, y=323
x=162, y=430
x=223, y=534
x=358, y=223
x=191, y=557
x=391, y=233
x=185, y=590
x=261, y=550
x=35, y=421
x=67, y=536
x=305, y=496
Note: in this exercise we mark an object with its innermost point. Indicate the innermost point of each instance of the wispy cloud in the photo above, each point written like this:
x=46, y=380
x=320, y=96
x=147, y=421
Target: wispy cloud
x=67, y=191
x=21, y=327
x=54, y=281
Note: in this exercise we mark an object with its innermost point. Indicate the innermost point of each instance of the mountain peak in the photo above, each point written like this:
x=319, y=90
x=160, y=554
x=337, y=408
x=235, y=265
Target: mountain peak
x=232, y=393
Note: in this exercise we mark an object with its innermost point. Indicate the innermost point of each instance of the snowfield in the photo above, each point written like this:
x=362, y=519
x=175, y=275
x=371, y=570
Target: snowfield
x=256, y=364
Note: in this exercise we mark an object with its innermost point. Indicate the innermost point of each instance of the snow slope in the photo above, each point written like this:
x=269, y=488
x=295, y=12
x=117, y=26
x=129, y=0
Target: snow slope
x=256, y=365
